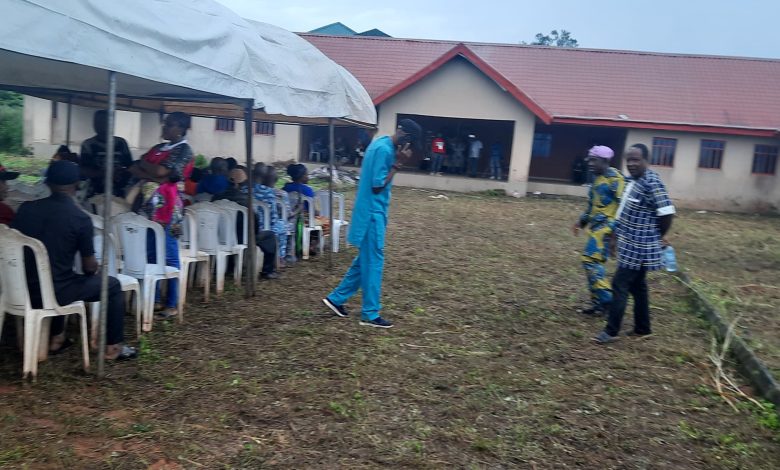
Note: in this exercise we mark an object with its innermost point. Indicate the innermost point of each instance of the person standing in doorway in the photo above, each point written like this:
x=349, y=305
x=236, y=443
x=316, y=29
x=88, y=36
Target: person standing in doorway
x=369, y=221
x=475, y=148
x=438, y=152
x=599, y=221
x=643, y=219
x=496, y=160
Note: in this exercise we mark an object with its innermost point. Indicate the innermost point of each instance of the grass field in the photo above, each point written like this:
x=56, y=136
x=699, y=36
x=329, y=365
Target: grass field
x=489, y=365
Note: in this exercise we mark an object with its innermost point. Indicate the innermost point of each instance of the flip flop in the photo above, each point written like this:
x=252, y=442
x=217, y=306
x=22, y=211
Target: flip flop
x=64, y=347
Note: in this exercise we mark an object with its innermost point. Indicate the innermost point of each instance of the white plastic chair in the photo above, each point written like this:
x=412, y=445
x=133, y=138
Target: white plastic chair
x=208, y=218
x=189, y=254
x=132, y=230
x=128, y=284
x=231, y=241
x=15, y=298
x=338, y=217
x=298, y=201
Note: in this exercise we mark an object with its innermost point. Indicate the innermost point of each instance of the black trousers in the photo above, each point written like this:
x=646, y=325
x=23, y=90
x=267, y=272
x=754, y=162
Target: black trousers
x=625, y=282
x=87, y=288
x=266, y=240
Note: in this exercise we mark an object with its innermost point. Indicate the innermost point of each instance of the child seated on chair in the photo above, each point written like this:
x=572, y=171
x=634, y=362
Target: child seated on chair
x=300, y=176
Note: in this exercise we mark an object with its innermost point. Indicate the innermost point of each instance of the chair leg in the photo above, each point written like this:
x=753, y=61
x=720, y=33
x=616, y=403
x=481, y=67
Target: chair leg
x=147, y=289
x=94, y=310
x=136, y=293
x=322, y=240
x=306, y=240
x=183, y=275
x=335, y=235
x=2, y=319
x=31, y=337
x=239, y=267
x=84, y=336
x=221, y=267
x=206, y=278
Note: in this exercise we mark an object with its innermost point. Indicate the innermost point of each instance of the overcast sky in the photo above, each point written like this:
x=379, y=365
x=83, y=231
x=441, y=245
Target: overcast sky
x=720, y=27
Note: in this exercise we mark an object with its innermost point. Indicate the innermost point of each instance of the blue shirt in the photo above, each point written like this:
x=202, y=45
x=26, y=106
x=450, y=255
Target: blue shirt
x=639, y=240
x=370, y=207
x=213, y=184
x=267, y=195
x=304, y=189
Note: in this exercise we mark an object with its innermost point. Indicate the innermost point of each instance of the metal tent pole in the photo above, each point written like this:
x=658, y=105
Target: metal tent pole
x=331, y=159
x=108, y=193
x=251, y=274
x=67, y=124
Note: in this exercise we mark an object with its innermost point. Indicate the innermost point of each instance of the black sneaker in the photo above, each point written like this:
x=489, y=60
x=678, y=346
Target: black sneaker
x=337, y=309
x=636, y=334
x=593, y=311
x=377, y=322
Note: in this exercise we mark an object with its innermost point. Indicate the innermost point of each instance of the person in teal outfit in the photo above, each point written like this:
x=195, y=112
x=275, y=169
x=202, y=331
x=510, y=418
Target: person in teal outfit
x=369, y=221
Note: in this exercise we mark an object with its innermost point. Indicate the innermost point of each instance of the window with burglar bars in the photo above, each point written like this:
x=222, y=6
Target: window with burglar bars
x=228, y=125
x=765, y=159
x=711, y=154
x=663, y=151
x=265, y=128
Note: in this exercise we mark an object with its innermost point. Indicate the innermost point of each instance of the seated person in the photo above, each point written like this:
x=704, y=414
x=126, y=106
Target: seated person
x=217, y=179
x=93, y=158
x=232, y=163
x=65, y=230
x=265, y=180
x=266, y=239
x=6, y=213
x=300, y=176
x=236, y=191
x=263, y=239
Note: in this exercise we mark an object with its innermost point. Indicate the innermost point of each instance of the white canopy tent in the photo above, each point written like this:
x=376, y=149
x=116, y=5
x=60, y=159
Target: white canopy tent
x=166, y=55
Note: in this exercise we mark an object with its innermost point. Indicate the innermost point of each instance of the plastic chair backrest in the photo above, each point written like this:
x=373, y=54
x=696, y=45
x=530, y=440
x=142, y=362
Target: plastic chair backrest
x=300, y=202
x=207, y=219
x=133, y=230
x=228, y=223
x=324, y=204
x=189, y=236
x=12, y=271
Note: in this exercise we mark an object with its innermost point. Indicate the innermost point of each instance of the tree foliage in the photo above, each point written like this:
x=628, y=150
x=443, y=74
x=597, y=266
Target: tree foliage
x=555, y=38
x=11, y=109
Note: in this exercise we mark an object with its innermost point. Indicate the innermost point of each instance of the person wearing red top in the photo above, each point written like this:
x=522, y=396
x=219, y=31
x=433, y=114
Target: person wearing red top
x=6, y=213
x=438, y=151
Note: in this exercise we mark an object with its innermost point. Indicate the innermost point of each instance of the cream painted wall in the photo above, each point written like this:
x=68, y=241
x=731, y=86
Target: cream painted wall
x=460, y=90
x=143, y=130
x=732, y=188
x=206, y=140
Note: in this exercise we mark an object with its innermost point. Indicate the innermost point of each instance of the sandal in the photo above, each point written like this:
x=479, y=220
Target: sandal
x=165, y=314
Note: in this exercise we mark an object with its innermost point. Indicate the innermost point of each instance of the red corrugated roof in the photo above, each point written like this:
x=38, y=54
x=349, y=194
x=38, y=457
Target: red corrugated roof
x=585, y=85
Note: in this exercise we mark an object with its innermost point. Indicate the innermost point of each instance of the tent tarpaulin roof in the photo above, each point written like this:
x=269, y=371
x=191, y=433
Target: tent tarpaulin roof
x=182, y=51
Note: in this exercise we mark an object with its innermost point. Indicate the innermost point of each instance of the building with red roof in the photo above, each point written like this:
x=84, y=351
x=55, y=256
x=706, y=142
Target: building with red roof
x=713, y=123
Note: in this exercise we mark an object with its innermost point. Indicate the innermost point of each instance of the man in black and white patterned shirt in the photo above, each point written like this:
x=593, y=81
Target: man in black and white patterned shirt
x=643, y=218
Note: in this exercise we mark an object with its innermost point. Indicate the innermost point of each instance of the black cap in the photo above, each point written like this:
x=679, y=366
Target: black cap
x=6, y=175
x=412, y=128
x=63, y=173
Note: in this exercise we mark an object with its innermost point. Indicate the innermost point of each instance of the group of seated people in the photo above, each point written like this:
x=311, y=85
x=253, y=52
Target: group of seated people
x=158, y=186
